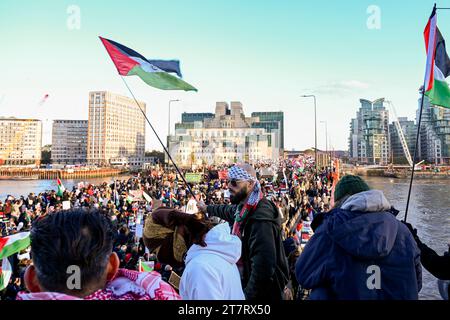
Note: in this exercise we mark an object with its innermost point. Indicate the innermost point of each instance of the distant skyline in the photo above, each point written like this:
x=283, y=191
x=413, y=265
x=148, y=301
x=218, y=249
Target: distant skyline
x=265, y=54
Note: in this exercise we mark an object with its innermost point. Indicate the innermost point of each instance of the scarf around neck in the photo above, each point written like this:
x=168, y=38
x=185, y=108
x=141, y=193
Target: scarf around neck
x=256, y=195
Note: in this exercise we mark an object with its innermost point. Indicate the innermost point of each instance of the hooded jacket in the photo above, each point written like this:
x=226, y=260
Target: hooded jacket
x=211, y=272
x=361, y=251
x=265, y=267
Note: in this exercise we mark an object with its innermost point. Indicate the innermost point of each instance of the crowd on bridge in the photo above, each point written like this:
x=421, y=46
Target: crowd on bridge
x=274, y=230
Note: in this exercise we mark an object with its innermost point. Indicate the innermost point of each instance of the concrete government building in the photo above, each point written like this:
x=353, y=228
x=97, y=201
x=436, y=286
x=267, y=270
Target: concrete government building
x=227, y=136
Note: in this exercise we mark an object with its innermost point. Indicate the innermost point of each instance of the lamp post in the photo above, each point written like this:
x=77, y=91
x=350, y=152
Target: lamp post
x=315, y=128
x=326, y=142
x=168, y=129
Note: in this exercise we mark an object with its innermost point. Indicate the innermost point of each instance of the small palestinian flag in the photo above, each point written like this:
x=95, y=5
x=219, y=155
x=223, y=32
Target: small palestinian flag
x=146, y=266
x=131, y=63
x=61, y=188
x=13, y=244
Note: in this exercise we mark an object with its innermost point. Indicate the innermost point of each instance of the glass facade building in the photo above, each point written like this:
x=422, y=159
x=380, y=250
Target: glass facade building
x=369, y=133
x=434, y=139
x=271, y=121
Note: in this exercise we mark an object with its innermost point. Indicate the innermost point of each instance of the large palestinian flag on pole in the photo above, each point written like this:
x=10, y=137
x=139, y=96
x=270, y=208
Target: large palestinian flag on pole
x=130, y=63
x=438, y=65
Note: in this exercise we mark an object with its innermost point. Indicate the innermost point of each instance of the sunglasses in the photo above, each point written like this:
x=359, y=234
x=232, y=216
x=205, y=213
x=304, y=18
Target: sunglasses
x=234, y=182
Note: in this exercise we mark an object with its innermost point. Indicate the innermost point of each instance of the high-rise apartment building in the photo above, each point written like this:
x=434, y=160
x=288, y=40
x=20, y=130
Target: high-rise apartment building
x=116, y=130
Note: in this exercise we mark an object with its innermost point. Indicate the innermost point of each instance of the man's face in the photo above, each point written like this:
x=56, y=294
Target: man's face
x=239, y=190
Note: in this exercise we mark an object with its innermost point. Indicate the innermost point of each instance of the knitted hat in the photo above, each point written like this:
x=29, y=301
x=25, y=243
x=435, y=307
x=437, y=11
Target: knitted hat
x=349, y=185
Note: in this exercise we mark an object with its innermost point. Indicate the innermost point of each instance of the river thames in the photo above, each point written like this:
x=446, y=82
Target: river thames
x=429, y=209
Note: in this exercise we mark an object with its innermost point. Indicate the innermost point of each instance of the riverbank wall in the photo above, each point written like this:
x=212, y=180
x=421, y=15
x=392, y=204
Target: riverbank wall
x=399, y=174
x=50, y=174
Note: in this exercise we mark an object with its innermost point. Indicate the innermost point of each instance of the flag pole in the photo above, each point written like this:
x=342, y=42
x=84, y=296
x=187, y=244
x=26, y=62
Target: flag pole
x=162, y=144
x=422, y=89
x=415, y=153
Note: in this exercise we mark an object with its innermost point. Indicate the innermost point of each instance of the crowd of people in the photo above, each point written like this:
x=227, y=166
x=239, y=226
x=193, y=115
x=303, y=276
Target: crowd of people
x=250, y=236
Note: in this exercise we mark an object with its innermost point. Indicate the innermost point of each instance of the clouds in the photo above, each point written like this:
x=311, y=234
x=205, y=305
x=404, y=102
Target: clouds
x=341, y=88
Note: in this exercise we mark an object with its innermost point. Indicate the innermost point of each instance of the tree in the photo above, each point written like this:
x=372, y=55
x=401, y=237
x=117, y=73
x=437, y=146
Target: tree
x=157, y=154
x=46, y=154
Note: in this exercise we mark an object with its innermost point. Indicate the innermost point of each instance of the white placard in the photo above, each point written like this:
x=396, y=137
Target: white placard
x=192, y=207
x=66, y=205
x=139, y=230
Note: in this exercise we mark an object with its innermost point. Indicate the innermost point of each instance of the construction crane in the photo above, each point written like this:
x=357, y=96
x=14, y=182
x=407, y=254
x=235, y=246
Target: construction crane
x=400, y=134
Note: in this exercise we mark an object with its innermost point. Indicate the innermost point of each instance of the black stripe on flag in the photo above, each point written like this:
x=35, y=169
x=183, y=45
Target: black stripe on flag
x=441, y=59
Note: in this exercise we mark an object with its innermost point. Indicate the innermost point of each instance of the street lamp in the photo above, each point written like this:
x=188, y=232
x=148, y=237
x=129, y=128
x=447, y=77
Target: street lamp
x=168, y=129
x=326, y=141
x=315, y=127
x=170, y=101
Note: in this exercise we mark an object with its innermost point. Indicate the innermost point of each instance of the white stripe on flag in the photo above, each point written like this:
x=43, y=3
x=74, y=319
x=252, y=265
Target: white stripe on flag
x=438, y=75
x=5, y=275
x=146, y=66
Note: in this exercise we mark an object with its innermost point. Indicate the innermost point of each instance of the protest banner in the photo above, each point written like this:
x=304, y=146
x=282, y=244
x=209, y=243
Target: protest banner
x=193, y=177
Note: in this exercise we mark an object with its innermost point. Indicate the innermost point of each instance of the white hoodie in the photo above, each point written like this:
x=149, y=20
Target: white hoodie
x=211, y=272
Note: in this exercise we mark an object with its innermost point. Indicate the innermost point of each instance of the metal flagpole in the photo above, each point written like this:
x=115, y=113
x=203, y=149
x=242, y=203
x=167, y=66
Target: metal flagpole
x=162, y=144
x=417, y=138
x=415, y=153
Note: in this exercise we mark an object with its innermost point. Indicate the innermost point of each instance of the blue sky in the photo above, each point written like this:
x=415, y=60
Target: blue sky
x=262, y=53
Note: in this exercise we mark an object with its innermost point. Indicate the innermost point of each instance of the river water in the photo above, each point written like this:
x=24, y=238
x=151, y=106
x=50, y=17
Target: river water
x=429, y=212
x=429, y=209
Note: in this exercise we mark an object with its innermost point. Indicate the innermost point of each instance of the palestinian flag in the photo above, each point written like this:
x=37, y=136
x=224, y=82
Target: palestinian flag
x=146, y=266
x=61, y=188
x=13, y=244
x=130, y=63
x=5, y=273
x=438, y=65
x=146, y=197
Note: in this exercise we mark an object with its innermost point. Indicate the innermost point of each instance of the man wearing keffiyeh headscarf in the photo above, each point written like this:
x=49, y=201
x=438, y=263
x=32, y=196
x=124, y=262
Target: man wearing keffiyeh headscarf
x=257, y=222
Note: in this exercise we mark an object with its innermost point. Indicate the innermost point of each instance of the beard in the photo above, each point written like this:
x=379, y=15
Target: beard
x=236, y=198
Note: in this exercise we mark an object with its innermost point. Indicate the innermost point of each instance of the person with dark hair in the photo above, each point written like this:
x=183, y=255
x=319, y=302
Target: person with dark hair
x=360, y=251
x=124, y=236
x=73, y=258
x=290, y=244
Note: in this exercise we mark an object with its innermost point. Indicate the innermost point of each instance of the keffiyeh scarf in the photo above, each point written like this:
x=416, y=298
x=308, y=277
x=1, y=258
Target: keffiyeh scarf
x=238, y=173
x=127, y=285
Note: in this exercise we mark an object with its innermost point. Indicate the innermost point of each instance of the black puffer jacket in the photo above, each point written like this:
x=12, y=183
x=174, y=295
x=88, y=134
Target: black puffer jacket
x=266, y=269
